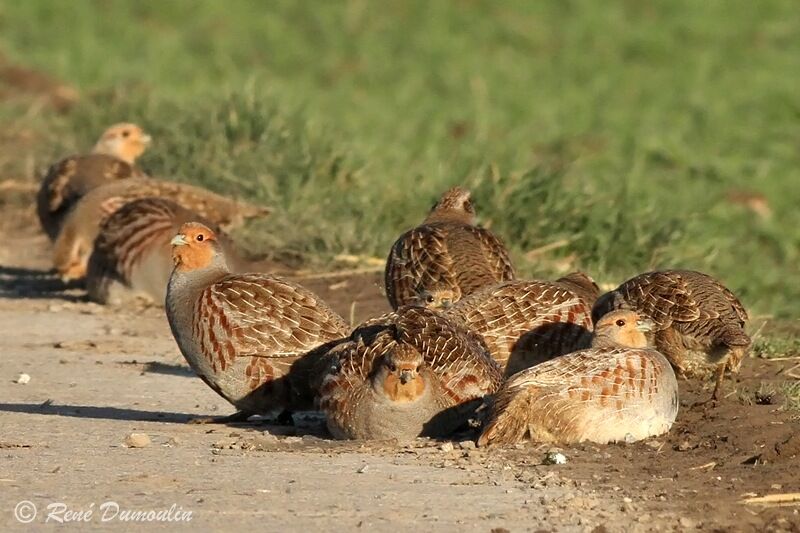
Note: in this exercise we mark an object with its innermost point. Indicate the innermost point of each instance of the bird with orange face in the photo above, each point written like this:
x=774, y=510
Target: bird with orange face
x=617, y=390
x=698, y=323
x=253, y=338
x=112, y=158
x=407, y=374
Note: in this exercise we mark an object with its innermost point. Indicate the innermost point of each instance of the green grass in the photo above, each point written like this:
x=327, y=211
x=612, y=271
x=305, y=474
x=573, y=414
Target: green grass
x=616, y=129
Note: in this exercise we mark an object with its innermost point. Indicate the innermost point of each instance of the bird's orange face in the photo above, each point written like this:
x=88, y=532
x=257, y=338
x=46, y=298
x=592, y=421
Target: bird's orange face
x=402, y=380
x=124, y=141
x=193, y=247
x=625, y=328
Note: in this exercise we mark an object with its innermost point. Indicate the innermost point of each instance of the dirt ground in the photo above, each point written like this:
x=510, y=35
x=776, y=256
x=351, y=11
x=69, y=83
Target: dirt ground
x=99, y=374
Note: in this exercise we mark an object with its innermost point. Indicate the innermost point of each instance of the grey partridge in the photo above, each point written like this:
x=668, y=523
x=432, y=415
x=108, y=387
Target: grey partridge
x=252, y=338
x=447, y=255
x=526, y=322
x=409, y=373
x=132, y=254
x=618, y=390
x=112, y=158
x=74, y=243
x=699, y=325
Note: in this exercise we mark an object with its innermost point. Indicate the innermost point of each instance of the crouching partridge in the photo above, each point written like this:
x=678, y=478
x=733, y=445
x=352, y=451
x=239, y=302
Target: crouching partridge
x=619, y=390
x=409, y=373
x=448, y=255
x=74, y=243
x=132, y=255
x=112, y=158
x=526, y=322
x=699, y=325
x=253, y=338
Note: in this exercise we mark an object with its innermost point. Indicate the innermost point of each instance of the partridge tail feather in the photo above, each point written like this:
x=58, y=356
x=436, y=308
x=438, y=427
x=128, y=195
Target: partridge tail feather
x=508, y=422
x=734, y=336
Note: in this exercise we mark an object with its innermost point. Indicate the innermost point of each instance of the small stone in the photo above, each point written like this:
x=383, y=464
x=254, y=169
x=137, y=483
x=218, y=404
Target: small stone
x=363, y=469
x=23, y=379
x=172, y=442
x=629, y=439
x=466, y=445
x=293, y=440
x=686, y=522
x=137, y=440
x=627, y=500
x=446, y=447
x=554, y=458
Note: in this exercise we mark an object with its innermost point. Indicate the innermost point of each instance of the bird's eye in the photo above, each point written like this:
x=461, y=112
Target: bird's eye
x=429, y=299
x=416, y=368
x=392, y=367
x=126, y=133
x=620, y=322
x=200, y=238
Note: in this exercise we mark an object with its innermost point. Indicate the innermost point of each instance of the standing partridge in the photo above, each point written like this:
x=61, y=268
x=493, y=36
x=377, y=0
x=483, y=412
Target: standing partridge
x=132, y=255
x=112, y=158
x=252, y=338
x=74, y=243
x=699, y=324
x=618, y=390
x=526, y=322
x=448, y=253
x=409, y=373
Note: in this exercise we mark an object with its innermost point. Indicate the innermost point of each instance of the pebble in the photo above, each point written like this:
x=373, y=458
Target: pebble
x=447, y=447
x=362, y=469
x=687, y=522
x=554, y=458
x=466, y=445
x=23, y=379
x=137, y=440
x=293, y=440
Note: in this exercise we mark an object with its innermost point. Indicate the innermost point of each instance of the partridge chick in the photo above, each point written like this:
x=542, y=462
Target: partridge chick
x=112, y=158
x=619, y=390
x=252, y=338
x=448, y=252
x=699, y=324
x=526, y=322
x=74, y=243
x=409, y=373
x=132, y=255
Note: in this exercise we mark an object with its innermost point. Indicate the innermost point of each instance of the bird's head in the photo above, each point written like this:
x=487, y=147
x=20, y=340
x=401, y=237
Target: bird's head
x=124, y=141
x=622, y=328
x=196, y=247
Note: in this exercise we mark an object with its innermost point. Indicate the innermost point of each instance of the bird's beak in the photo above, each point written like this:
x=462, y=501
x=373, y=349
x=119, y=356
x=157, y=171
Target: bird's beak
x=644, y=324
x=406, y=376
x=178, y=240
x=146, y=139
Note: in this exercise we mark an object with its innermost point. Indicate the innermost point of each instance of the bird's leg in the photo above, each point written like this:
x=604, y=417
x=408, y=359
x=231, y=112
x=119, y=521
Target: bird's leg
x=238, y=416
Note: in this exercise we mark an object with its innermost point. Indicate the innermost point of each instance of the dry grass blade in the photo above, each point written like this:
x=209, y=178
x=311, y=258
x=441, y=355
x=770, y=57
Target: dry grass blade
x=788, y=498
